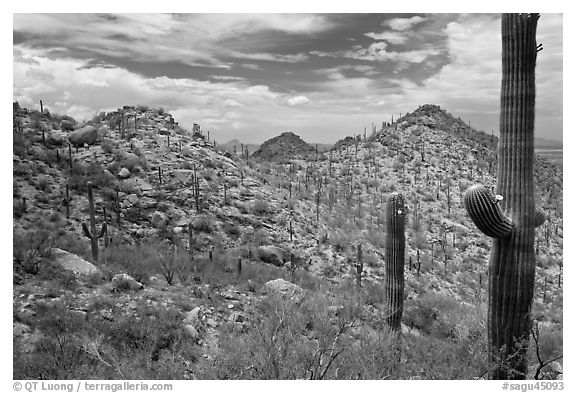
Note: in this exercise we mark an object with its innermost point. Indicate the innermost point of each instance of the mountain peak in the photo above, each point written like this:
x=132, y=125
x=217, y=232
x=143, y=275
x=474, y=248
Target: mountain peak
x=283, y=146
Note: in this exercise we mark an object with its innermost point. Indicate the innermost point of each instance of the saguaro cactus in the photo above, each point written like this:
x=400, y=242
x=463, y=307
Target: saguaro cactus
x=510, y=219
x=395, y=245
x=91, y=233
x=359, y=266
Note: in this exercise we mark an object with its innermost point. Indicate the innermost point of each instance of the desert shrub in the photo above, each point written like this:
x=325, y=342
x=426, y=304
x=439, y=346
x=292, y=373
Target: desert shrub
x=139, y=261
x=131, y=163
x=56, y=276
x=34, y=248
x=231, y=229
x=171, y=261
x=44, y=184
x=340, y=241
x=20, y=144
x=81, y=174
x=261, y=237
x=289, y=341
x=108, y=146
x=444, y=317
x=94, y=279
x=203, y=224
x=260, y=207
x=75, y=244
x=146, y=343
x=549, y=340
x=371, y=260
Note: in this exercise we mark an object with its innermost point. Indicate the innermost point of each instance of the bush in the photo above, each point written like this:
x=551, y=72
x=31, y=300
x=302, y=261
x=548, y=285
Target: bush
x=33, y=249
x=44, y=184
x=203, y=224
x=260, y=207
x=139, y=261
x=108, y=146
x=146, y=343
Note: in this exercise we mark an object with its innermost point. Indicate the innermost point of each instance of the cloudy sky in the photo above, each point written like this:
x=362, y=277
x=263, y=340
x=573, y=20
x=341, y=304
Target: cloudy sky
x=251, y=77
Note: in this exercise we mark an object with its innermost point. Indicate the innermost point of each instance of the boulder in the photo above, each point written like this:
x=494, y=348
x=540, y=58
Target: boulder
x=124, y=173
x=66, y=125
x=274, y=255
x=132, y=199
x=159, y=219
x=191, y=332
x=125, y=282
x=183, y=175
x=73, y=262
x=85, y=135
x=193, y=317
x=552, y=371
x=282, y=287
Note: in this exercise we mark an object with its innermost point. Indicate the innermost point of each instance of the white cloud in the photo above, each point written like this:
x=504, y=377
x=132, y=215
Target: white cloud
x=252, y=66
x=377, y=52
x=232, y=103
x=93, y=83
x=295, y=58
x=194, y=39
x=392, y=37
x=402, y=24
x=298, y=100
x=226, y=77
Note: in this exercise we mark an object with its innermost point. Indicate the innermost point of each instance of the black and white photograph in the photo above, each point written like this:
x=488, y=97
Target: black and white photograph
x=287, y=196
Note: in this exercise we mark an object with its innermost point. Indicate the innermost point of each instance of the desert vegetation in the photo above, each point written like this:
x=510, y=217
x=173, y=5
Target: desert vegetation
x=153, y=253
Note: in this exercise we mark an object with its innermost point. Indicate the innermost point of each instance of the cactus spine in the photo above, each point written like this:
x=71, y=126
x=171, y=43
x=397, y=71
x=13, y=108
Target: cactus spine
x=91, y=232
x=395, y=245
x=512, y=225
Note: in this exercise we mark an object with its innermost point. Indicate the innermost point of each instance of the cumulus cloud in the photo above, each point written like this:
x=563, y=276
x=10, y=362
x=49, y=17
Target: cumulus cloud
x=401, y=24
x=193, y=39
x=392, y=37
x=298, y=100
x=94, y=83
x=290, y=58
x=377, y=52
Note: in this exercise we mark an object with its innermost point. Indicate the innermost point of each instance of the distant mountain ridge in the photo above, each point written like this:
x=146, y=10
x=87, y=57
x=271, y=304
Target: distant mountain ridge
x=543, y=143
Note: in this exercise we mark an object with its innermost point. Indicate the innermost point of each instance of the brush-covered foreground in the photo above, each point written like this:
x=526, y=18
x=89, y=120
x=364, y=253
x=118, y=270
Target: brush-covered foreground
x=202, y=318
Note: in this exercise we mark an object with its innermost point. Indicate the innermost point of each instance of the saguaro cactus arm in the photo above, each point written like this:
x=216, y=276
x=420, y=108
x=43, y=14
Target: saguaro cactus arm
x=89, y=235
x=539, y=218
x=484, y=209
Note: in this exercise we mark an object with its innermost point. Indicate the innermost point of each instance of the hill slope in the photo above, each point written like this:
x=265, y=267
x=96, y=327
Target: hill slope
x=320, y=210
x=284, y=146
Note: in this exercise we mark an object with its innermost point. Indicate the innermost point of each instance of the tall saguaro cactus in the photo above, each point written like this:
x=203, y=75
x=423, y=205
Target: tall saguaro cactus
x=91, y=232
x=395, y=245
x=510, y=217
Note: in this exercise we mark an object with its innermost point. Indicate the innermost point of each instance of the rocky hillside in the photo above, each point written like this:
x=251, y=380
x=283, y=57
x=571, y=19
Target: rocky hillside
x=222, y=250
x=283, y=147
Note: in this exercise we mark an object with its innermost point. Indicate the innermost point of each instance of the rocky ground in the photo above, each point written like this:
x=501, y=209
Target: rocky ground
x=292, y=219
